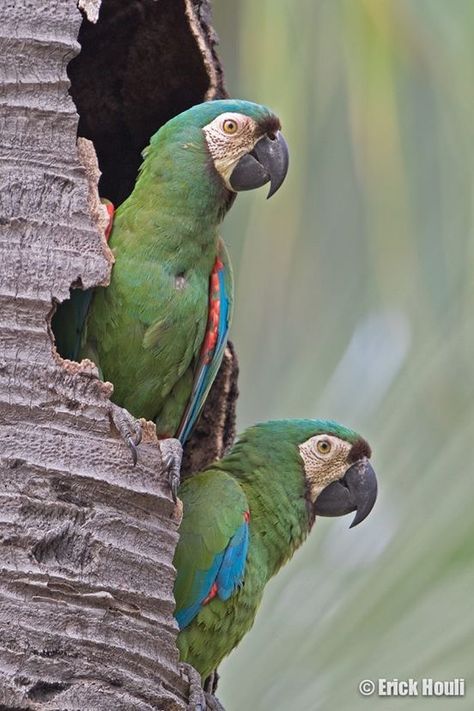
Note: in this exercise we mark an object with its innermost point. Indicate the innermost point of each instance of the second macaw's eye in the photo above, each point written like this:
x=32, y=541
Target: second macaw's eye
x=229, y=126
x=324, y=446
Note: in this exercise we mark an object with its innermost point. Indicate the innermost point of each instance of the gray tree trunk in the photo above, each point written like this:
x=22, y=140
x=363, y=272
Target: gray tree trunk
x=86, y=539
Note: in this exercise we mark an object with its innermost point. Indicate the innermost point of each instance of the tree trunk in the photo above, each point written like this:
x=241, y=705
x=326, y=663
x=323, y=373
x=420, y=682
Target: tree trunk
x=87, y=540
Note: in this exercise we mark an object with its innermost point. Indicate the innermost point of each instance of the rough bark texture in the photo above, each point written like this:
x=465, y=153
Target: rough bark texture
x=86, y=540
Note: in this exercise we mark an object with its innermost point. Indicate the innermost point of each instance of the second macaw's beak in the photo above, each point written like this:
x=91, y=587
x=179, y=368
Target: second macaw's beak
x=356, y=491
x=268, y=161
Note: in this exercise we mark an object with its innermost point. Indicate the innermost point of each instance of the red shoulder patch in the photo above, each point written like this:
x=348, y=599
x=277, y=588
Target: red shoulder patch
x=111, y=210
x=212, y=330
x=212, y=594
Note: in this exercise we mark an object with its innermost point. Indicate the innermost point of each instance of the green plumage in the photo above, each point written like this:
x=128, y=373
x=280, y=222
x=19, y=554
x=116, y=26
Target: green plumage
x=145, y=330
x=263, y=474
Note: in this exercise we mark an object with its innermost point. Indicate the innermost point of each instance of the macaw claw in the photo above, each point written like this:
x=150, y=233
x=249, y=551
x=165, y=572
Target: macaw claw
x=133, y=449
x=210, y=688
x=212, y=702
x=128, y=427
x=201, y=699
x=171, y=456
x=196, y=696
x=211, y=682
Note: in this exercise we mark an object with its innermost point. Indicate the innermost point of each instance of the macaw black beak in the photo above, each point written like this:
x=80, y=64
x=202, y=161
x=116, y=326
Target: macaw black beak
x=268, y=161
x=356, y=491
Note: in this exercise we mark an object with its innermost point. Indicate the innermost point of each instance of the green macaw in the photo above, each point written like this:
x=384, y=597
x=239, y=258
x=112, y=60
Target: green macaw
x=244, y=517
x=159, y=331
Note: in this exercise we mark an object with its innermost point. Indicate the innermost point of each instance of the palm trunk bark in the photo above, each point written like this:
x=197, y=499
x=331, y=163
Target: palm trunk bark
x=87, y=540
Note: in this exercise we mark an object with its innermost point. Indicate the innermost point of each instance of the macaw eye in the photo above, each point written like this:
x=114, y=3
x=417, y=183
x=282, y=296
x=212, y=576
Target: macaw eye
x=230, y=126
x=324, y=446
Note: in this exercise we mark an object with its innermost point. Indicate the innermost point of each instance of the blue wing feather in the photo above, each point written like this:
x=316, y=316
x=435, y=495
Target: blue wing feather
x=227, y=570
x=231, y=571
x=201, y=587
x=207, y=370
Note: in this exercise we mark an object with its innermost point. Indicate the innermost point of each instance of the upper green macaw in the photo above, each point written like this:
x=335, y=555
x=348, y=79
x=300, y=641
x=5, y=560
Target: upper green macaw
x=244, y=517
x=158, y=331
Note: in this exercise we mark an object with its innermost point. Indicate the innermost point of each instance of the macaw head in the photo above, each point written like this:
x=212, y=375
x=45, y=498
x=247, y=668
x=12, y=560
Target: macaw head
x=246, y=146
x=333, y=460
x=339, y=476
x=241, y=138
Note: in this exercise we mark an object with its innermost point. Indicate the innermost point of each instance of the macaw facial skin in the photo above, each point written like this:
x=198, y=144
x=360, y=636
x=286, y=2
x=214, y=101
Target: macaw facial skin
x=246, y=153
x=339, y=475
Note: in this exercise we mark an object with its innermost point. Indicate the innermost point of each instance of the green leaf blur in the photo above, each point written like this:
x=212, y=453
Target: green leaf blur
x=355, y=301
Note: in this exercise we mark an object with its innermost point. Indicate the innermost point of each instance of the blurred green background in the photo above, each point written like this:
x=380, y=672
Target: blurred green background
x=355, y=301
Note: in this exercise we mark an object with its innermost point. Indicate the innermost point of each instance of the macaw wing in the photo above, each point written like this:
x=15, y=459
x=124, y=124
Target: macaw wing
x=214, y=538
x=69, y=320
x=214, y=343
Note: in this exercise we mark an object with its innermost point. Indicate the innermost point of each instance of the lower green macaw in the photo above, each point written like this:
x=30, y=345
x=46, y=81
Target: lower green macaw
x=244, y=517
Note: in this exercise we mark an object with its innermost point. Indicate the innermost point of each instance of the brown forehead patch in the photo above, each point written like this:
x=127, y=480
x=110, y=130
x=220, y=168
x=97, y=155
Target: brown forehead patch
x=359, y=449
x=269, y=124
